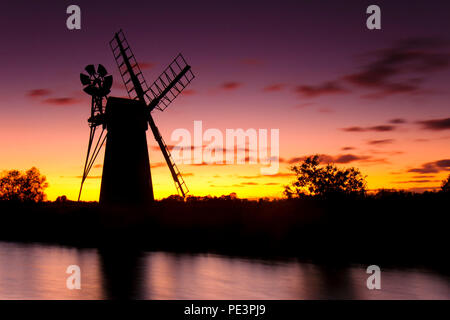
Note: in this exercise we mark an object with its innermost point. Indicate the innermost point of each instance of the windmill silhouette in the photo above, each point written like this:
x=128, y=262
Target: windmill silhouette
x=126, y=177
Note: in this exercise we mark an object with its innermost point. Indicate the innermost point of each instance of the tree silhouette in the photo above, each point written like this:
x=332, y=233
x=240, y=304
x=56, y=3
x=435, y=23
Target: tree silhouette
x=446, y=184
x=324, y=181
x=25, y=187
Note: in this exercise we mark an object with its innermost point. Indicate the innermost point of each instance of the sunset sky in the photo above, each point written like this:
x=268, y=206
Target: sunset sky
x=377, y=100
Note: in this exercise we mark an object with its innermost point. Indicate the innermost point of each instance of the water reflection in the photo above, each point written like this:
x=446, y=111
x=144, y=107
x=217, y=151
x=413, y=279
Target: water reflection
x=38, y=272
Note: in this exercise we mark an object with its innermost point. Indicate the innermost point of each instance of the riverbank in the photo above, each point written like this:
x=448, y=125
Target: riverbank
x=396, y=229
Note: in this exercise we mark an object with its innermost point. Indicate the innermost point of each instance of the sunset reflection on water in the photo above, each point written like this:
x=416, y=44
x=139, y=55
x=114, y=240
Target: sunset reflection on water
x=32, y=271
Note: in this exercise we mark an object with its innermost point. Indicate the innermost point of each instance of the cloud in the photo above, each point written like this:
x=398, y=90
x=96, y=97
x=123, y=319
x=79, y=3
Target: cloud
x=189, y=92
x=417, y=181
x=146, y=65
x=347, y=158
x=157, y=165
x=187, y=174
x=36, y=93
x=329, y=87
x=274, y=87
x=98, y=166
x=278, y=175
x=89, y=177
x=423, y=177
x=341, y=158
x=61, y=101
x=433, y=167
x=401, y=68
x=353, y=129
x=347, y=148
x=435, y=124
x=380, y=128
x=382, y=141
x=232, y=85
x=397, y=121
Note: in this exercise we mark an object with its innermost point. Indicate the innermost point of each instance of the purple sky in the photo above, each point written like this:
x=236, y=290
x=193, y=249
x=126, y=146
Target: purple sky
x=309, y=68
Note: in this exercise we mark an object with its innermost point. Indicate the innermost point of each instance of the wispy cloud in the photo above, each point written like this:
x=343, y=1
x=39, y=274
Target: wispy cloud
x=274, y=87
x=189, y=92
x=61, y=101
x=397, y=121
x=157, y=165
x=380, y=128
x=433, y=167
x=89, y=177
x=37, y=93
x=340, y=158
x=231, y=85
x=401, y=68
x=146, y=65
x=311, y=91
x=435, y=124
x=381, y=141
x=278, y=175
x=417, y=181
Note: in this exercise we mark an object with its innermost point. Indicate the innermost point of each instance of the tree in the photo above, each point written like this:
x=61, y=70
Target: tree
x=324, y=181
x=25, y=187
x=446, y=184
x=61, y=199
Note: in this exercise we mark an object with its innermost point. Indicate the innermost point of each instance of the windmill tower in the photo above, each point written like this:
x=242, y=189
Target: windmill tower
x=126, y=177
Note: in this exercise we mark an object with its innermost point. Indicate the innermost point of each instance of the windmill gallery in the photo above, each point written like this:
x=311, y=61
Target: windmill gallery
x=124, y=123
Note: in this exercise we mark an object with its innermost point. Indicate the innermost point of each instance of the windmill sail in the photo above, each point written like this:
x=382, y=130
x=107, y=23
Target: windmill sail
x=130, y=72
x=169, y=84
x=159, y=95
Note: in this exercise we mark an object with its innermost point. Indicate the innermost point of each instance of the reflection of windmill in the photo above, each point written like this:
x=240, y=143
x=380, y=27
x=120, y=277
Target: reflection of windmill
x=126, y=170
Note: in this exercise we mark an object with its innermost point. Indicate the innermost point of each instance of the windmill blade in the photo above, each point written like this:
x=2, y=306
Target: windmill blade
x=90, y=69
x=169, y=84
x=103, y=92
x=92, y=90
x=85, y=79
x=130, y=72
x=107, y=83
x=180, y=184
x=101, y=70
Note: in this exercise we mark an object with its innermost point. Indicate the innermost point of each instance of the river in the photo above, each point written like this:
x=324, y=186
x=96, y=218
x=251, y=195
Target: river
x=36, y=271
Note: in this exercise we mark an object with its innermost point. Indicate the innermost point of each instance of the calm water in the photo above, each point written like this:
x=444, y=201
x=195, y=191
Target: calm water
x=32, y=271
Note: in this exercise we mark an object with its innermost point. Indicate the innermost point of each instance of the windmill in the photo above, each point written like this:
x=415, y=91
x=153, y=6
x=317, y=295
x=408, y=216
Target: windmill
x=126, y=177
